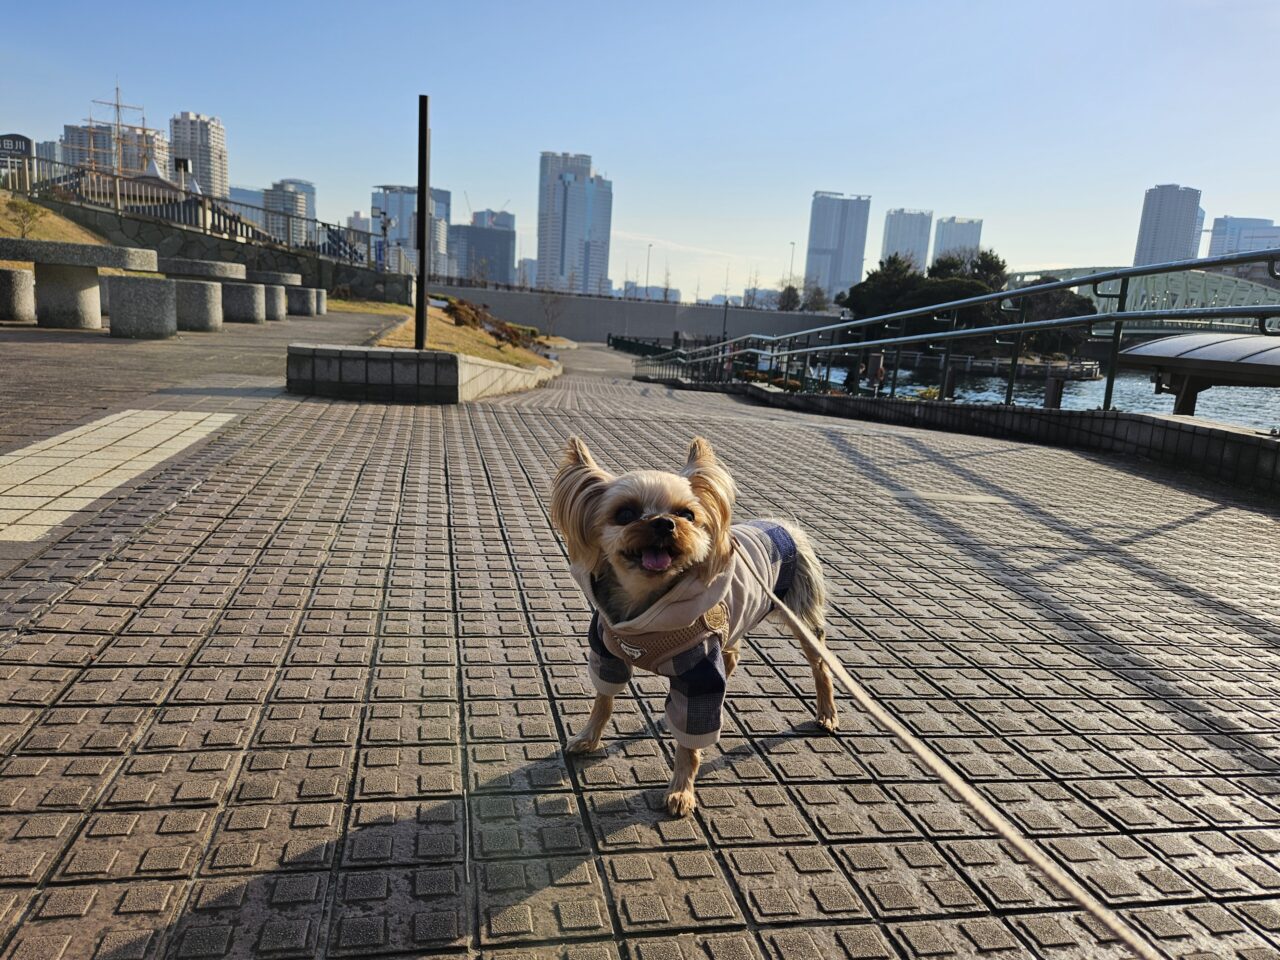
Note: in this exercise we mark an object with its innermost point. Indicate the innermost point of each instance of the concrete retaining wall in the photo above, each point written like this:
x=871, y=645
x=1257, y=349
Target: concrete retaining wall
x=1235, y=455
x=171, y=240
x=411, y=376
x=592, y=319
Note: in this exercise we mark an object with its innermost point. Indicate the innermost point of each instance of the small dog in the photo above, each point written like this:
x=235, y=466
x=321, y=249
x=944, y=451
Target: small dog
x=663, y=566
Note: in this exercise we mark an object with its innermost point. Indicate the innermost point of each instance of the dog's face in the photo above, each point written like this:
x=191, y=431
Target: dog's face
x=649, y=527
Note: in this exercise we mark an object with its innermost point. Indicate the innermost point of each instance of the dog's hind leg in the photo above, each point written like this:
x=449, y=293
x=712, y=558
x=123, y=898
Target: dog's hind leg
x=681, y=799
x=826, y=694
x=589, y=738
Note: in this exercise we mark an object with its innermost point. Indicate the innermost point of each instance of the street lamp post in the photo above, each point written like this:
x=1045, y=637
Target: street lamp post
x=791, y=271
x=647, y=254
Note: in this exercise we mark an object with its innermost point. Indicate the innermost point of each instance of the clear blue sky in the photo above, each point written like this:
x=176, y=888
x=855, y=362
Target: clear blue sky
x=716, y=121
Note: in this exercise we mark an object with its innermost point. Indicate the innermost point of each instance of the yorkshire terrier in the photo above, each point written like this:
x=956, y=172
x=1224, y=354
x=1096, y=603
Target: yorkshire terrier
x=663, y=566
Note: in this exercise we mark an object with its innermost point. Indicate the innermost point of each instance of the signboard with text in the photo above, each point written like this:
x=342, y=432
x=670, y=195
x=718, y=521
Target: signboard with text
x=16, y=145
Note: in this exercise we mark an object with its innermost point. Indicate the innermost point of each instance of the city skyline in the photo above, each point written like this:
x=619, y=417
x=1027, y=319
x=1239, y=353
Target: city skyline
x=723, y=199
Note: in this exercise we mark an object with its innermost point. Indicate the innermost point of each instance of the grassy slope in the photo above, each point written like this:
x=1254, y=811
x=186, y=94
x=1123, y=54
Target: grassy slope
x=442, y=334
x=51, y=226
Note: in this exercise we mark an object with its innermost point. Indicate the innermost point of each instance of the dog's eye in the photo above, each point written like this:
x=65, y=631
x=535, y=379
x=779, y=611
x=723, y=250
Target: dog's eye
x=686, y=514
x=624, y=516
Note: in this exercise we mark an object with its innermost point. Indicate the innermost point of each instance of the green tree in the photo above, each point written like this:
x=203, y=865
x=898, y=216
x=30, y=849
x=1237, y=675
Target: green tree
x=948, y=266
x=1051, y=306
x=883, y=287
x=789, y=298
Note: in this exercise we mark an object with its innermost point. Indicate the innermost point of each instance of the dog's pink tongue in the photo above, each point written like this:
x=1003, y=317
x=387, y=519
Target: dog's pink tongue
x=655, y=560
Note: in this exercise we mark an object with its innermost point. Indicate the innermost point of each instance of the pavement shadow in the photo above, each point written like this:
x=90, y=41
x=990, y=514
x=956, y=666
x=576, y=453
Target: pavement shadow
x=475, y=849
x=1219, y=742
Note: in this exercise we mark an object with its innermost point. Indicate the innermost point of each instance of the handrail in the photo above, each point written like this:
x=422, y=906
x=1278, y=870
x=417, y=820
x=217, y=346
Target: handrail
x=1258, y=312
x=1270, y=256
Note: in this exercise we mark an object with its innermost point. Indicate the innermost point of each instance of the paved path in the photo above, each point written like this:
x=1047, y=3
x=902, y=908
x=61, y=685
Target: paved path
x=300, y=691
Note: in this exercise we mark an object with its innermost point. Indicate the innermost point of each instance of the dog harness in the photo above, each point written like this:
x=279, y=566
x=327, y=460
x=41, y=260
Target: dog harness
x=684, y=634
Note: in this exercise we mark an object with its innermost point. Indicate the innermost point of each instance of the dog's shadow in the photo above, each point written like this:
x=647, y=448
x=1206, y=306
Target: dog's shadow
x=512, y=842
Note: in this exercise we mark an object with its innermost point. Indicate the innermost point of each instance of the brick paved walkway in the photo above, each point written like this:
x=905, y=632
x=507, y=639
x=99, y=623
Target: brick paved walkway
x=300, y=691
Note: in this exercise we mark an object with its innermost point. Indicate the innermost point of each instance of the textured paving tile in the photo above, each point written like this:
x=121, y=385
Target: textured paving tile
x=300, y=690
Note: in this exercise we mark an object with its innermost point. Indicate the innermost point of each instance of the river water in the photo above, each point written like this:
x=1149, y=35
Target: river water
x=1257, y=407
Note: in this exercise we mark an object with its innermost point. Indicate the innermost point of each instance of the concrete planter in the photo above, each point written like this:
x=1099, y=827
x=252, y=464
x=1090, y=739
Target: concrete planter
x=143, y=308
x=411, y=376
x=18, y=296
x=199, y=305
x=277, y=304
x=244, y=303
x=301, y=301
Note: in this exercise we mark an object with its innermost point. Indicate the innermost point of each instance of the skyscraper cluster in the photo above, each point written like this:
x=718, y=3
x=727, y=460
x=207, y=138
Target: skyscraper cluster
x=575, y=213
x=836, y=254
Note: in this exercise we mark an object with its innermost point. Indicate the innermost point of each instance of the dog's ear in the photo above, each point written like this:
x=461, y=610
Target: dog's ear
x=577, y=489
x=717, y=493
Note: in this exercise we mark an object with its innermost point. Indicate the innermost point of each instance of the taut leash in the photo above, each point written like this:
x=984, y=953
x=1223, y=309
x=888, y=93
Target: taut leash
x=996, y=820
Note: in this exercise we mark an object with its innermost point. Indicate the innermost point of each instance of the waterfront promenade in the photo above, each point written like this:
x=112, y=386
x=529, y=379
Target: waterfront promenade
x=297, y=687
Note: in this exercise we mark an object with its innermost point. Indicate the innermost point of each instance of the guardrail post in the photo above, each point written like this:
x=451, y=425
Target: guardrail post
x=1116, y=334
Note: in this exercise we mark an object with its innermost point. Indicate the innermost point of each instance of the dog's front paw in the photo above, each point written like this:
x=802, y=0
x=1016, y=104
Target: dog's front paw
x=584, y=742
x=828, y=719
x=681, y=803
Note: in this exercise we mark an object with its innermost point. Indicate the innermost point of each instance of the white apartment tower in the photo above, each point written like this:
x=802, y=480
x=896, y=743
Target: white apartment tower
x=837, y=241
x=1171, y=224
x=202, y=141
x=286, y=215
x=906, y=233
x=958, y=235
x=575, y=213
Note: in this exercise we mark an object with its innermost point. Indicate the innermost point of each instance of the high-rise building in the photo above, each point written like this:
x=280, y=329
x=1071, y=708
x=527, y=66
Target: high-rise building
x=527, y=272
x=575, y=212
x=483, y=253
x=252, y=200
x=202, y=141
x=95, y=146
x=497, y=219
x=286, y=217
x=49, y=150
x=1170, y=226
x=358, y=221
x=1229, y=234
x=956, y=235
x=308, y=190
x=441, y=204
x=906, y=233
x=837, y=241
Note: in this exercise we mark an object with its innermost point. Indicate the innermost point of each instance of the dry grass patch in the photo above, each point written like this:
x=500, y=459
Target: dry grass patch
x=442, y=334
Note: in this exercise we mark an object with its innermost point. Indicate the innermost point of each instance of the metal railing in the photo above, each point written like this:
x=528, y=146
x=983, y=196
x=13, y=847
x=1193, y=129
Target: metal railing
x=154, y=198
x=787, y=360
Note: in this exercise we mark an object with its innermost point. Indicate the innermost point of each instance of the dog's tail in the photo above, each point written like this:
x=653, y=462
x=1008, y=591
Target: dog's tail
x=996, y=820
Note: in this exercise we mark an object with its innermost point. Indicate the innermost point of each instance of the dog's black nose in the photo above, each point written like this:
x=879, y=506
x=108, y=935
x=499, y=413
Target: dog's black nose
x=662, y=525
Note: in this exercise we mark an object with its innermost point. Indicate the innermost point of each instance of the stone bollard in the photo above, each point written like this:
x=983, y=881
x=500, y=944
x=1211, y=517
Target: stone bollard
x=277, y=302
x=145, y=308
x=67, y=298
x=322, y=302
x=277, y=277
x=18, y=296
x=301, y=301
x=243, y=303
x=199, y=305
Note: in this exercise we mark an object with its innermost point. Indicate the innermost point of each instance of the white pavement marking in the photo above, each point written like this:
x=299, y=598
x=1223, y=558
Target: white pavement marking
x=43, y=484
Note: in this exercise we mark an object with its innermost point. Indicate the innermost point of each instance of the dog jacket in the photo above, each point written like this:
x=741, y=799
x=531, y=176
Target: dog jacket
x=684, y=634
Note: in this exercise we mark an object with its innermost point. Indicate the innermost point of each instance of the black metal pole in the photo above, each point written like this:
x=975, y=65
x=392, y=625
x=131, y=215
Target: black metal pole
x=424, y=218
x=1113, y=356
